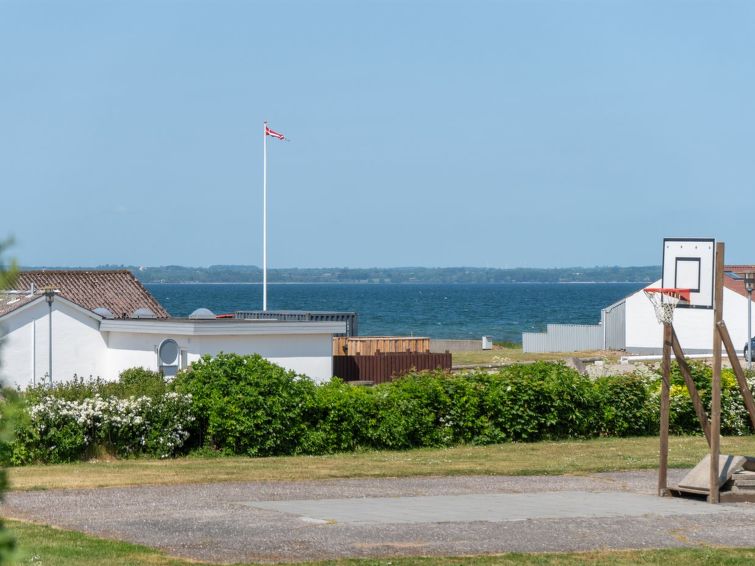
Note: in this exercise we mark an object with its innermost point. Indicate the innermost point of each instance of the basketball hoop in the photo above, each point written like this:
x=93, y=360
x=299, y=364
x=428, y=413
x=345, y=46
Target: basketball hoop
x=665, y=300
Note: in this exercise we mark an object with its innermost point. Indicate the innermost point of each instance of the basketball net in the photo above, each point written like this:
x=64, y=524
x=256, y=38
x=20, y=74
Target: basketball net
x=664, y=302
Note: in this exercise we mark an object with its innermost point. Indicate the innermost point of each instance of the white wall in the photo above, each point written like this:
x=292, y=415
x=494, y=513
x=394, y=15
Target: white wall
x=309, y=354
x=78, y=346
x=127, y=350
x=694, y=327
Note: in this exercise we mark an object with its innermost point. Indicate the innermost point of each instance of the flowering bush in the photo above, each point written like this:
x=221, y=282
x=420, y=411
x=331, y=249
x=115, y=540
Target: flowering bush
x=682, y=417
x=57, y=430
x=133, y=382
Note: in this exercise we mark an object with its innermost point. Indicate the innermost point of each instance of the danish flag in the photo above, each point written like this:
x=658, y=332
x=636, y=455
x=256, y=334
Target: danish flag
x=269, y=132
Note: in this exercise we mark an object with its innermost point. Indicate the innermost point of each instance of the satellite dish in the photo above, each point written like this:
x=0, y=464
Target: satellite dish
x=202, y=313
x=143, y=312
x=104, y=312
x=168, y=356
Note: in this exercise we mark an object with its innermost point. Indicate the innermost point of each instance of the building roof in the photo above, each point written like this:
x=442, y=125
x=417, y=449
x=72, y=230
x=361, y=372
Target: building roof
x=11, y=301
x=116, y=290
x=737, y=285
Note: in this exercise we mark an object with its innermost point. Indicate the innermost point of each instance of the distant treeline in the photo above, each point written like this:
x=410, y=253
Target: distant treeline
x=253, y=274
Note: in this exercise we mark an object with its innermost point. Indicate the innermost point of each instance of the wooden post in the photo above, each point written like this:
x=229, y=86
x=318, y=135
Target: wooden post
x=691, y=387
x=744, y=389
x=665, y=406
x=715, y=403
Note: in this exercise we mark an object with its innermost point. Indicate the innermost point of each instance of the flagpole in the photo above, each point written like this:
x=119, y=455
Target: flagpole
x=264, y=217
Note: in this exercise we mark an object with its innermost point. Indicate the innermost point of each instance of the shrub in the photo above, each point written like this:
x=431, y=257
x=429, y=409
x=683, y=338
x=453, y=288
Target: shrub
x=536, y=401
x=682, y=418
x=233, y=404
x=624, y=408
x=513, y=408
x=246, y=404
x=463, y=416
x=339, y=418
x=79, y=418
x=133, y=382
x=411, y=411
x=137, y=382
x=55, y=430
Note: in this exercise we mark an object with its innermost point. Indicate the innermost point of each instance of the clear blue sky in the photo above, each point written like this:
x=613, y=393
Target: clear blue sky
x=500, y=134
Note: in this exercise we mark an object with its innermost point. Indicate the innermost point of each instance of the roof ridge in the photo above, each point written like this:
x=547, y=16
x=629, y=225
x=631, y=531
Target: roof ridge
x=77, y=270
x=119, y=290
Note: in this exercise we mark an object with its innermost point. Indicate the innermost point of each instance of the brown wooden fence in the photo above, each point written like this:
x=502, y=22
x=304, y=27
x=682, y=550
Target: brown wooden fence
x=369, y=345
x=381, y=367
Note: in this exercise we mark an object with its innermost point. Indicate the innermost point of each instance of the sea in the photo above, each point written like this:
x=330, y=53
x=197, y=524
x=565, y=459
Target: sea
x=461, y=311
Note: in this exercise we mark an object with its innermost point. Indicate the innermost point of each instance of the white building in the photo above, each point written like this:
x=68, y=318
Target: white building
x=103, y=322
x=694, y=327
x=630, y=324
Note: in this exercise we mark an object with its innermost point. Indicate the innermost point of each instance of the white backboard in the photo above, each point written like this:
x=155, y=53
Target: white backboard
x=688, y=264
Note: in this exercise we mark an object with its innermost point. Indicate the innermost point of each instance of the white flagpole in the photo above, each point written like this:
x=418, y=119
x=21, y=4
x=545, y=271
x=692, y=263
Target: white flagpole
x=264, y=218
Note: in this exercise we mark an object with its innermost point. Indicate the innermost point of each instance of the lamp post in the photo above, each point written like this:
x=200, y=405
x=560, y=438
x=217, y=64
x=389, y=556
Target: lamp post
x=749, y=286
x=49, y=297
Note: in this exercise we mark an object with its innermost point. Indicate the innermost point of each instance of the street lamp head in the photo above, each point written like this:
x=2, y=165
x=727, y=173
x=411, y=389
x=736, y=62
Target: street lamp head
x=49, y=295
x=749, y=281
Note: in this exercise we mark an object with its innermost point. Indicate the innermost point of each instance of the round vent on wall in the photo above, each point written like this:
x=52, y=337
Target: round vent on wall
x=104, y=312
x=168, y=356
x=143, y=312
x=202, y=314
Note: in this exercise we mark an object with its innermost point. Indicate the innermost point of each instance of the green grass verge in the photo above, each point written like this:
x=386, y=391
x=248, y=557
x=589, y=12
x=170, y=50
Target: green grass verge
x=537, y=458
x=48, y=546
x=42, y=545
x=508, y=355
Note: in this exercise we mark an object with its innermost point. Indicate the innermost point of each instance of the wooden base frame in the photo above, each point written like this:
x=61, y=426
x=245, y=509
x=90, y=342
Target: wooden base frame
x=711, y=426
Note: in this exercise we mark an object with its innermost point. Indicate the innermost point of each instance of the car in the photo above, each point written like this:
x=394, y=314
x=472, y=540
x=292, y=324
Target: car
x=748, y=350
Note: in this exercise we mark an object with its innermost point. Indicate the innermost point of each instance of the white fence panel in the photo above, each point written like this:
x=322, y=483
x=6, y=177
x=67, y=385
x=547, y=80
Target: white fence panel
x=615, y=324
x=535, y=342
x=564, y=338
x=574, y=337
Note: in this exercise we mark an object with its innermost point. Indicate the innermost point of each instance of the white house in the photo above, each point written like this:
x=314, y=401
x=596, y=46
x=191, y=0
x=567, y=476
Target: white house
x=694, y=327
x=98, y=323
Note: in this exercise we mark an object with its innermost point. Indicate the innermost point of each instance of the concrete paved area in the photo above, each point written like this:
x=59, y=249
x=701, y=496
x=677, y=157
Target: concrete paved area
x=495, y=507
x=289, y=521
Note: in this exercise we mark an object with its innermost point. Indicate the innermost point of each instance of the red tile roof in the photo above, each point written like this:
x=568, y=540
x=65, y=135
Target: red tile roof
x=11, y=301
x=117, y=290
x=737, y=285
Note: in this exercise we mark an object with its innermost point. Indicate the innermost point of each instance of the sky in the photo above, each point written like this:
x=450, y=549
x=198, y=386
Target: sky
x=469, y=133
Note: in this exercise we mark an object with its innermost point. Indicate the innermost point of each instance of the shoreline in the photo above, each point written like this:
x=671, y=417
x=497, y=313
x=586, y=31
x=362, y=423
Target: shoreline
x=396, y=283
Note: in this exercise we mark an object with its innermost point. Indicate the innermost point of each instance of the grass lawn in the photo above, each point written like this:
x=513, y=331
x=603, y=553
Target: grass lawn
x=507, y=354
x=552, y=458
x=55, y=547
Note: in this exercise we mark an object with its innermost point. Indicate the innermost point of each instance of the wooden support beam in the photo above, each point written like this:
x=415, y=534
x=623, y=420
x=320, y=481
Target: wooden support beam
x=715, y=401
x=738, y=371
x=665, y=409
x=691, y=387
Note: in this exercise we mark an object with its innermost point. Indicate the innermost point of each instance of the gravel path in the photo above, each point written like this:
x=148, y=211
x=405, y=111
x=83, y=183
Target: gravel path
x=289, y=521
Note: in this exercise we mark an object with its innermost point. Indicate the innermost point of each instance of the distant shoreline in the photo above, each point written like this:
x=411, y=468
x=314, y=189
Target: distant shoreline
x=252, y=275
x=394, y=283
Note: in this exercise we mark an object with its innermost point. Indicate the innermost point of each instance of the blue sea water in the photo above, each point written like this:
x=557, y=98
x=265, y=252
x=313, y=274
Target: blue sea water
x=503, y=311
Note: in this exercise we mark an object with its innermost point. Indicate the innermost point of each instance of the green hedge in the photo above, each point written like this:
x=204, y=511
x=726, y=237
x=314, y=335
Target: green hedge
x=246, y=404
x=80, y=419
x=249, y=406
x=233, y=404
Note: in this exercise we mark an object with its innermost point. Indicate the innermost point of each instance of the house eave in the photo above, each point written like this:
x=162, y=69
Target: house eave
x=71, y=304
x=219, y=327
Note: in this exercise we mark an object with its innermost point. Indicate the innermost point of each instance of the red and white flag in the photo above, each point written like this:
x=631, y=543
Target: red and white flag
x=269, y=132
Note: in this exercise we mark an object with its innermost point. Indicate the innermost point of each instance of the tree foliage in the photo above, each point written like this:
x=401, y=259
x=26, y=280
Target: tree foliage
x=7, y=543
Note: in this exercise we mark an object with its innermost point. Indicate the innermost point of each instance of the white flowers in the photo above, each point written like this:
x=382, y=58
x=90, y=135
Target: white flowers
x=124, y=426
